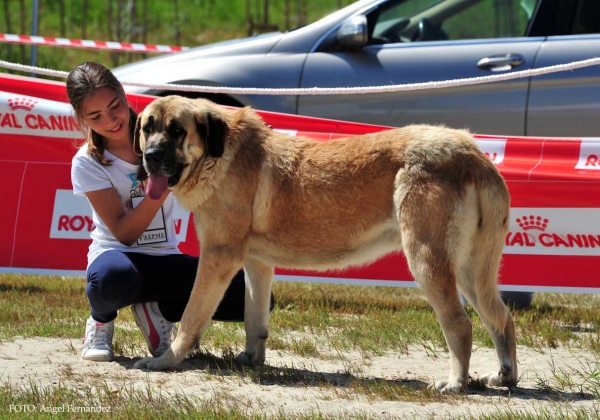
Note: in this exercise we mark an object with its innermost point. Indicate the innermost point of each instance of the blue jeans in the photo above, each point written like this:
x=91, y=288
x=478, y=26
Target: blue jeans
x=117, y=279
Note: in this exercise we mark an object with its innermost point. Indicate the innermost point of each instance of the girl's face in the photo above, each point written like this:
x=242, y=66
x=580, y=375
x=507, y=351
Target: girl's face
x=107, y=113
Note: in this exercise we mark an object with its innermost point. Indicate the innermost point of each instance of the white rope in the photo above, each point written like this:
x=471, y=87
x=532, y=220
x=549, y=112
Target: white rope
x=332, y=91
x=31, y=69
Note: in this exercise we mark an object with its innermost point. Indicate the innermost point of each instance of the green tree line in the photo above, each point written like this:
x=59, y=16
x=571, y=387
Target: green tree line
x=165, y=22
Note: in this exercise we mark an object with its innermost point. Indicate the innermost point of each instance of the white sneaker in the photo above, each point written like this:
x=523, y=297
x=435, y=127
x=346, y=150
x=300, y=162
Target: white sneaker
x=97, y=343
x=157, y=331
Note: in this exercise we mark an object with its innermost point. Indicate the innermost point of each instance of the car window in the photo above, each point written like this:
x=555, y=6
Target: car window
x=566, y=17
x=435, y=20
x=394, y=19
x=489, y=19
x=587, y=18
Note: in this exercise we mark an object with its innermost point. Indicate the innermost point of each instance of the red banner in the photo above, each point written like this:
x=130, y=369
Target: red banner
x=553, y=243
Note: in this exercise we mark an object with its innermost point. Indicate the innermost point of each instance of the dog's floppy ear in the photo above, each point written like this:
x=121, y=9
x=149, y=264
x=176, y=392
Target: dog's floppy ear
x=142, y=175
x=136, y=137
x=213, y=133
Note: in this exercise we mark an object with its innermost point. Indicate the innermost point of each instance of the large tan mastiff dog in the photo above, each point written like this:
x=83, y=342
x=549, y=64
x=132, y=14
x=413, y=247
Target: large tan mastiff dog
x=262, y=199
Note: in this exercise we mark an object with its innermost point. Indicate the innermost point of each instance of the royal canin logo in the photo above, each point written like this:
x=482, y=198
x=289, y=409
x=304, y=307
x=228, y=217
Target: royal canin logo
x=528, y=237
x=532, y=222
x=494, y=149
x=22, y=116
x=589, y=154
x=592, y=161
x=22, y=103
x=72, y=218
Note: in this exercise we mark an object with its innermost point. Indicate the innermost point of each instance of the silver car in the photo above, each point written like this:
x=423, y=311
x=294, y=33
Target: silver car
x=391, y=42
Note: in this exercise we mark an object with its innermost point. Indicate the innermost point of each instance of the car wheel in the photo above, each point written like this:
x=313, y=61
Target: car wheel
x=518, y=300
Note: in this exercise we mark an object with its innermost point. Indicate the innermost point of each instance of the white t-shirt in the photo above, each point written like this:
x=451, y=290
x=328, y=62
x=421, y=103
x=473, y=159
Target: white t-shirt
x=88, y=174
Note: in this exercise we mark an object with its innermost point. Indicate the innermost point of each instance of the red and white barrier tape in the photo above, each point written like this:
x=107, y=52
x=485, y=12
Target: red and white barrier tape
x=84, y=43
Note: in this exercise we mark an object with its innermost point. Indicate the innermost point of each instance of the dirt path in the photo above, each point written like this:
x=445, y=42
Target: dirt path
x=292, y=388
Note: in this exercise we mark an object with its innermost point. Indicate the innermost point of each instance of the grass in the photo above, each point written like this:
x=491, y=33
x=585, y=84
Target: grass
x=368, y=319
x=310, y=321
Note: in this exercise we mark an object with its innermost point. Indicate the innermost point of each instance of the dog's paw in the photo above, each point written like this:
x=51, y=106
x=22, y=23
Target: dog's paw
x=244, y=359
x=502, y=378
x=248, y=359
x=152, y=363
x=447, y=387
x=491, y=379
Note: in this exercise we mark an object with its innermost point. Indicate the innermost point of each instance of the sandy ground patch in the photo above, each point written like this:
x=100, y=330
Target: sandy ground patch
x=48, y=362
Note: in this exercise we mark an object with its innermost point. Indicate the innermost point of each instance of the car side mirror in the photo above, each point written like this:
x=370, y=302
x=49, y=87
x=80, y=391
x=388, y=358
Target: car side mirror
x=353, y=32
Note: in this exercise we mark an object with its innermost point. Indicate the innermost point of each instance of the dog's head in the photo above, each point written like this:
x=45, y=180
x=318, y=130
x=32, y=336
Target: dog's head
x=174, y=134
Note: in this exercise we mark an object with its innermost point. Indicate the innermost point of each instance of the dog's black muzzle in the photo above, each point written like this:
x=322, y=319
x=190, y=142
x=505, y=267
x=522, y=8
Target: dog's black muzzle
x=160, y=160
x=164, y=162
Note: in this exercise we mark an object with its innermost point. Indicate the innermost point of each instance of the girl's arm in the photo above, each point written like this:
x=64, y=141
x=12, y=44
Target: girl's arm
x=126, y=227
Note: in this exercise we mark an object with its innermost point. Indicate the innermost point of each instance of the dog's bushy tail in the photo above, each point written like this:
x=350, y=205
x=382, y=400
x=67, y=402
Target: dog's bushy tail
x=494, y=208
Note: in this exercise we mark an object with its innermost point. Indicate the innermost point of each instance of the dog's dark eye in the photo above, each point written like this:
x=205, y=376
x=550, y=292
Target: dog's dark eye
x=175, y=129
x=148, y=126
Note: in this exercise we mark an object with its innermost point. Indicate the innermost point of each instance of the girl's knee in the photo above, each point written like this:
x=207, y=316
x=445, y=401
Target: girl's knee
x=112, y=285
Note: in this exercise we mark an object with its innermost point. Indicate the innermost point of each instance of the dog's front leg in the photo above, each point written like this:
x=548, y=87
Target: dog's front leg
x=259, y=281
x=214, y=275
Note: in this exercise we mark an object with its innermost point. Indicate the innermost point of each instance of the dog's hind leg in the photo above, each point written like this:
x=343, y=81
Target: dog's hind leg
x=259, y=280
x=456, y=325
x=504, y=339
x=426, y=207
x=479, y=282
x=480, y=289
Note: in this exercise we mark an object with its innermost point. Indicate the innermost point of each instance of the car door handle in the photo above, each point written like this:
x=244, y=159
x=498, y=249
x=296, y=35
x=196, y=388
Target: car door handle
x=503, y=62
